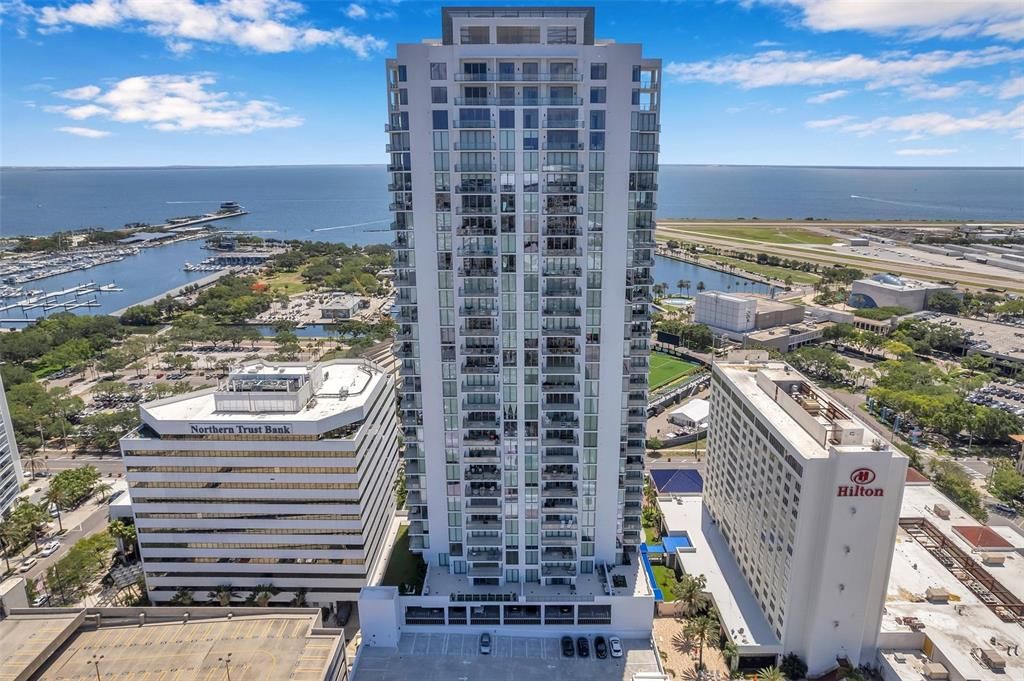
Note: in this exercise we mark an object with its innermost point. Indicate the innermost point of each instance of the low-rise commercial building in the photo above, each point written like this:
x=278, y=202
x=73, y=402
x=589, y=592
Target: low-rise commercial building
x=281, y=477
x=786, y=338
x=890, y=290
x=343, y=306
x=693, y=414
x=738, y=313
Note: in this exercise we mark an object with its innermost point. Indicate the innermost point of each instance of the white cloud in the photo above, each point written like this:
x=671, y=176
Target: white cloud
x=827, y=96
x=355, y=11
x=1012, y=89
x=929, y=124
x=767, y=43
x=926, y=152
x=260, y=25
x=914, y=18
x=84, y=92
x=778, y=67
x=176, y=103
x=931, y=91
x=829, y=122
x=91, y=133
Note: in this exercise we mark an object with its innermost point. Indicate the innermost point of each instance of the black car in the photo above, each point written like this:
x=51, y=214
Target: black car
x=600, y=647
x=567, y=647
x=583, y=646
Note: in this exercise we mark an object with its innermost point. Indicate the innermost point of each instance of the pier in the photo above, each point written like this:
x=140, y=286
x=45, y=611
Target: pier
x=52, y=300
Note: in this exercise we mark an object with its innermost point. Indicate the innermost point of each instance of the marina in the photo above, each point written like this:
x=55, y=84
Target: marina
x=64, y=300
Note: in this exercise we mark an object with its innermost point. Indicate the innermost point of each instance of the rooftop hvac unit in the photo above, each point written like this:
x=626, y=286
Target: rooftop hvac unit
x=992, y=659
x=935, y=670
x=936, y=595
x=941, y=510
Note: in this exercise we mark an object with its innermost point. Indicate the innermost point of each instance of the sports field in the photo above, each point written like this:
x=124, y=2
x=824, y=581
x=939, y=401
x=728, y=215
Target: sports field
x=666, y=369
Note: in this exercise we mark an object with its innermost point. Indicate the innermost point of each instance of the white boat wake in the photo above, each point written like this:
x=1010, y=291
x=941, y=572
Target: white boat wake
x=355, y=224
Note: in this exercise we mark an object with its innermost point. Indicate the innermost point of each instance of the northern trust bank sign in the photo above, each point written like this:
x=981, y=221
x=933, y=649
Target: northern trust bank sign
x=240, y=429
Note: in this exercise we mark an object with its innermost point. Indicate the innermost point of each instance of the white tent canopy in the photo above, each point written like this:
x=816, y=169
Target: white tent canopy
x=694, y=414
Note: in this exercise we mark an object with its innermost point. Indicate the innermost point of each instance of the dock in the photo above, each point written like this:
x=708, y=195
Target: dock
x=51, y=301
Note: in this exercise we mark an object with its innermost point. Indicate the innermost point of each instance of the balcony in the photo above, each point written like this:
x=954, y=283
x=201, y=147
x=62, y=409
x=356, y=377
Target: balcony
x=397, y=168
x=477, y=311
x=483, y=555
x=475, y=271
x=558, y=554
x=477, y=472
x=404, y=187
x=483, y=523
x=479, y=350
x=494, y=77
x=562, y=124
x=563, y=146
x=472, y=124
x=480, y=437
x=484, y=541
x=484, y=571
x=394, y=148
x=562, y=311
x=562, y=168
x=396, y=127
x=558, y=571
x=562, y=188
x=475, y=188
x=562, y=331
x=480, y=420
x=475, y=168
x=561, y=367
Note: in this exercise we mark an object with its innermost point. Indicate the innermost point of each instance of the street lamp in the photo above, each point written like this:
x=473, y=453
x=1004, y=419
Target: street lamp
x=95, y=662
x=227, y=664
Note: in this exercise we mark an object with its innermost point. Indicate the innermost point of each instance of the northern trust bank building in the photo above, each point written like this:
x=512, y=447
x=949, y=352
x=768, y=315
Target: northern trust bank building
x=280, y=476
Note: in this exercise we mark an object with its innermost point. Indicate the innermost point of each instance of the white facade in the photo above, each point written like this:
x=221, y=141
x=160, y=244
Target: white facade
x=523, y=170
x=807, y=499
x=725, y=312
x=10, y=461
x=693, y=414
x=282, y=476
x=889, y=290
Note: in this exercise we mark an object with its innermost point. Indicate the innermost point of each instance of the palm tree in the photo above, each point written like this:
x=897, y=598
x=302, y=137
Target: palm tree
x=772, y=674
x=299, y=599
x=262, y=593
x=689, y=592
x=703, y=631
x=686, y=285
x=125, y=534
x=103, y=490
x=223, y=594
x=57, y=497
x=32, y=456
x=681, y=284
x=182, y=597
x=700, y=286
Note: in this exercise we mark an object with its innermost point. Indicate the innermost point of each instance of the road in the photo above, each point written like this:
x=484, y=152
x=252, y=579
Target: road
x=57, y=461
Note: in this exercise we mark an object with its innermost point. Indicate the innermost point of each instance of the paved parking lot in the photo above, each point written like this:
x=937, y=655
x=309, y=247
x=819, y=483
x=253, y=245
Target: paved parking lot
x=456, y=657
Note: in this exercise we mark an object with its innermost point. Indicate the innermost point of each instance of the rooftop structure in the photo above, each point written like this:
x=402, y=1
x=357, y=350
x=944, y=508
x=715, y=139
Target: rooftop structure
x=693, y=414
x=280, y=476
x=135, y=644
x=738, y=313
x=943, y=609
x=672, y=481
x=804, y=498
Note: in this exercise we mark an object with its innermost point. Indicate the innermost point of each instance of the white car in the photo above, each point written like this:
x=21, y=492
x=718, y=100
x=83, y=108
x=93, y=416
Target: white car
x=50, y=549
x=40, y=601
x=615, y=646
x=27, y=565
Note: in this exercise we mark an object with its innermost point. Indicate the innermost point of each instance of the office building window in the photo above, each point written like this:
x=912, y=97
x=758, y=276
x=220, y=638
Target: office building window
x=478, y=35
x=561, y=35
x=518, y=35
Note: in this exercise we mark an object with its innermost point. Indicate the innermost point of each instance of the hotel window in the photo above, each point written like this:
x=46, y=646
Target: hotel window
x=598, y=71
x=438, y=95
x=440, y=119
x=598, y=95
x=478, y=35
x=507, y=118
x=518, y=35
x=401, y=73
x=438, y=71
x=561, y=35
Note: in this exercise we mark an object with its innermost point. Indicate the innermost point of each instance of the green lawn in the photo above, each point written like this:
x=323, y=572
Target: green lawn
x=666, y=369
x=650, y=536
x=666, y=579
x=404, y=567
x=288, y=283
x=767, y=270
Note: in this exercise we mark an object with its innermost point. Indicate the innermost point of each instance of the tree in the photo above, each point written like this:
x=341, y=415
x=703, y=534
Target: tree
x=691, y=593
x=126, y=535
x=262, y=593
x=57, y=497
x=26, y=522
x=1007, y=484
x=793, y=667
x=76, y=572
x=103, y=490
x=952, y=481
x=113, y=361
x=770, y=674
x=223, y=594
x=182, y=597
x=702, y=631
x=945, y=301
x=76, y=484
x=700, y=286
x=299, y=599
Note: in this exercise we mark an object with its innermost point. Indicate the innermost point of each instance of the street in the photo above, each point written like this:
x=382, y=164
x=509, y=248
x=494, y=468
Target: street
x=58, y=460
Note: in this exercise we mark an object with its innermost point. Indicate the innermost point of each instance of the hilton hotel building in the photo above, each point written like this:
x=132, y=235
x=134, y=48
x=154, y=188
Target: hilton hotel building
x=807, y=498
x=282, y=475
x=523, y=172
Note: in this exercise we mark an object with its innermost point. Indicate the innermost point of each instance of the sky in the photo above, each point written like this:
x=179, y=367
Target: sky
x=262, y=82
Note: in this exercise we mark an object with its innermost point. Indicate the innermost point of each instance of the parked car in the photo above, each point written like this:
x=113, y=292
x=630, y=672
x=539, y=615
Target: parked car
x=615, y=646
x=40, y=600
x=54, y=511
x=583, y=646
x=27, y=564
x=485, y=643
x=568, y=650
x=50, y=549
x=600, y=647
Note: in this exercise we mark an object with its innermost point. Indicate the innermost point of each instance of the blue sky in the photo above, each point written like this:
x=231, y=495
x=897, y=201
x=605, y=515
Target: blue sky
x=237, y=82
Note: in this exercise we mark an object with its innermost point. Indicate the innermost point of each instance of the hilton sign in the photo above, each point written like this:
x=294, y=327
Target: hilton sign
x=861, y=478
